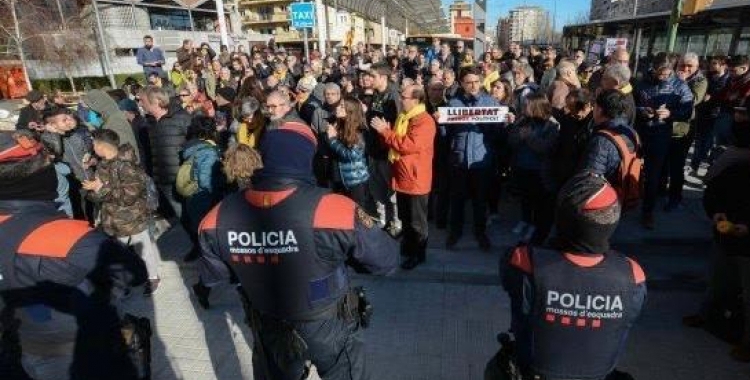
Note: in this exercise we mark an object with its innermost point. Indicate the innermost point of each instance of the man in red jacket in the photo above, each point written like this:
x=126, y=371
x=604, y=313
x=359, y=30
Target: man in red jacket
x=411, y=149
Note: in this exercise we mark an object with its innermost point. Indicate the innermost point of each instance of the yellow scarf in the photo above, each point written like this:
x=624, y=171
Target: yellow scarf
x=249, y=137
x=402, y=126
x=626, y=89
x=491, y=77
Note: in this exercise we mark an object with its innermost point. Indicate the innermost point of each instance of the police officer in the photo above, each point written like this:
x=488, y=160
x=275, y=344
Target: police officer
x=288, y=242
x=58, y=277
x=573, y=303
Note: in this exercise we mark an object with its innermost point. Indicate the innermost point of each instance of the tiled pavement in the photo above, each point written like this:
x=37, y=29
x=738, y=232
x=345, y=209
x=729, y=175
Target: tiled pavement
x=440, y=321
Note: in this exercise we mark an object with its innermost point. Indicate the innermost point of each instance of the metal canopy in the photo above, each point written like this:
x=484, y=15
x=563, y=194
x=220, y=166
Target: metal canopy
x=419, y=15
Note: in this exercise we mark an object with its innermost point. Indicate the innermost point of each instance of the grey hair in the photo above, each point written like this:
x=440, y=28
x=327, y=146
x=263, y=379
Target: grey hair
x=690, y=56
x=620, y=73
x=332, y=87
x=278, y=94
x=249, y=106
x=565, y=66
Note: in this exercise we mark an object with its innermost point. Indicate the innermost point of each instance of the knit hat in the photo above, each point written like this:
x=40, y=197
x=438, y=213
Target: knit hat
x=588, y=211
x=288, y=152
x=227, y=93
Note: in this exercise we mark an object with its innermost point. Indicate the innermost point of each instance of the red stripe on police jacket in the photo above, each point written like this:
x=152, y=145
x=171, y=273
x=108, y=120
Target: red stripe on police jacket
x=267, y=199
x=335, y=212
x=520, y=259
x=638, y=274
x=209, y=221
x=54, y=239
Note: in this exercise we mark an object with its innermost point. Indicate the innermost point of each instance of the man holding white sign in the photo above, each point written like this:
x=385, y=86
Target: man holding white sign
x=471, y=125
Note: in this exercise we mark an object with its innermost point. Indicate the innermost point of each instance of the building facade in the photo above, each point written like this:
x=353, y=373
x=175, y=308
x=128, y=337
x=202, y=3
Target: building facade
x=611, y=9
x=503, y=32
x=169, y=22
x=336, y=26
x=528, y=24
x=469, y=21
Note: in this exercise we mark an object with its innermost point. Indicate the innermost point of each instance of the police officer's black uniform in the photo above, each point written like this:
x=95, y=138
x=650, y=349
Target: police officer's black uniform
x=572, y=308
x=58, y=276
x=288, y=243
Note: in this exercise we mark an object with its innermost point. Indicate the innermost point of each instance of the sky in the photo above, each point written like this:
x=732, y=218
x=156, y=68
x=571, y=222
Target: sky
x=567, y=10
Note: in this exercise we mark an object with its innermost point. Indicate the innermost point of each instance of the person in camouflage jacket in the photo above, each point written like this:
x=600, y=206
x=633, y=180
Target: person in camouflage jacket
x=120, y=187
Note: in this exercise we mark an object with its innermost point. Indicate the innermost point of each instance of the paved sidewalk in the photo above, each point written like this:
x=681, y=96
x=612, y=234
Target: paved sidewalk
x=440, y=321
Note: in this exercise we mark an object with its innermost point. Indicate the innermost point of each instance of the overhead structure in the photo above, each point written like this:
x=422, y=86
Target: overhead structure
x=415, y=15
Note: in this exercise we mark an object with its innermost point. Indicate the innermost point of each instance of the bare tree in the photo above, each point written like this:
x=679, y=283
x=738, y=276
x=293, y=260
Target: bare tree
x=39, y=31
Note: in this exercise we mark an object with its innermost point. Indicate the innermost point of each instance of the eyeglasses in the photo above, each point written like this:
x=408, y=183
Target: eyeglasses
x=405, y=97
x=273, y=106
x=184, y=95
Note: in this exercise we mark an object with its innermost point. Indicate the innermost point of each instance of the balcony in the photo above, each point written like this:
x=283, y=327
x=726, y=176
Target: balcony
x=258, y=19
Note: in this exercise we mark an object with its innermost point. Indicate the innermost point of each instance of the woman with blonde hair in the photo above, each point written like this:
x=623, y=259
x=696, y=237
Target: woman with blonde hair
x=240, y=162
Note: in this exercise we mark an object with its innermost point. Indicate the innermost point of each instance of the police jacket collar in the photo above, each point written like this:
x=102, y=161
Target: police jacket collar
x=264, y=183
x=17, y=207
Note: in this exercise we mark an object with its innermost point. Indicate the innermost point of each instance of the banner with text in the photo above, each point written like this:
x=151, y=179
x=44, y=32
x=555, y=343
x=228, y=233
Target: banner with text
x=474, y=115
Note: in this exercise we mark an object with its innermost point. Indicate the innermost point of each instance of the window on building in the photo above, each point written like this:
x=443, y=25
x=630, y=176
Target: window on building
x=169, y=19
x=719, y=40
x=124, y=52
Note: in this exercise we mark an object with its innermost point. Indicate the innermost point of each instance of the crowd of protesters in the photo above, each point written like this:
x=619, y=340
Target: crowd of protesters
x=195, y=128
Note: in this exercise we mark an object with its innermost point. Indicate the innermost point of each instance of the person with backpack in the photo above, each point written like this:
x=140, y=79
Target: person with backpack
x=612, y=151
x=200, y=179
x=121, y=188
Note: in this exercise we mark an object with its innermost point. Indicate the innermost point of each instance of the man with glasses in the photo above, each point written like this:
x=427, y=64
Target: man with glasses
x=471, y=160
x=688, y=69
x=411, y=147
x=618, y=57
x=278, y=109
x=661, y=100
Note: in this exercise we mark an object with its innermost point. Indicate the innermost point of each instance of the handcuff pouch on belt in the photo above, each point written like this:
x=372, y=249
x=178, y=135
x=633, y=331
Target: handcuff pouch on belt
x=356, y=307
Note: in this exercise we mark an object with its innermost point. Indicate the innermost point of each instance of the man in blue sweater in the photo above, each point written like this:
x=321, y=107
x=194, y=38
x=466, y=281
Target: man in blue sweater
x=151, y=58
x=662, y=99
x=471, y=159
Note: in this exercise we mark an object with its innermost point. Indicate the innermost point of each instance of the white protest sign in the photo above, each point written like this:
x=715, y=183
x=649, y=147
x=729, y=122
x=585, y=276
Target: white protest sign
x=614, y=43
x=473, y=115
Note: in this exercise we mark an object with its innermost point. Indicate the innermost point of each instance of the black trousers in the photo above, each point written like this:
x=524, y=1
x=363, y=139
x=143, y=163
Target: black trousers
x=412, y=210
x=361, y=195
x=336, y=348
x=537, y=203
x=465, y=184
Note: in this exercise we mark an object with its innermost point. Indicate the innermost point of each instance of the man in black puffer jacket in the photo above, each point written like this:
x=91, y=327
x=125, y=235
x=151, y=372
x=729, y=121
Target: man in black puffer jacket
x=167, y=137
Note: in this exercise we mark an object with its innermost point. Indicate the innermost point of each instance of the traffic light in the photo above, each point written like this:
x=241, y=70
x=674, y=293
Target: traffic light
x=691, y=7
